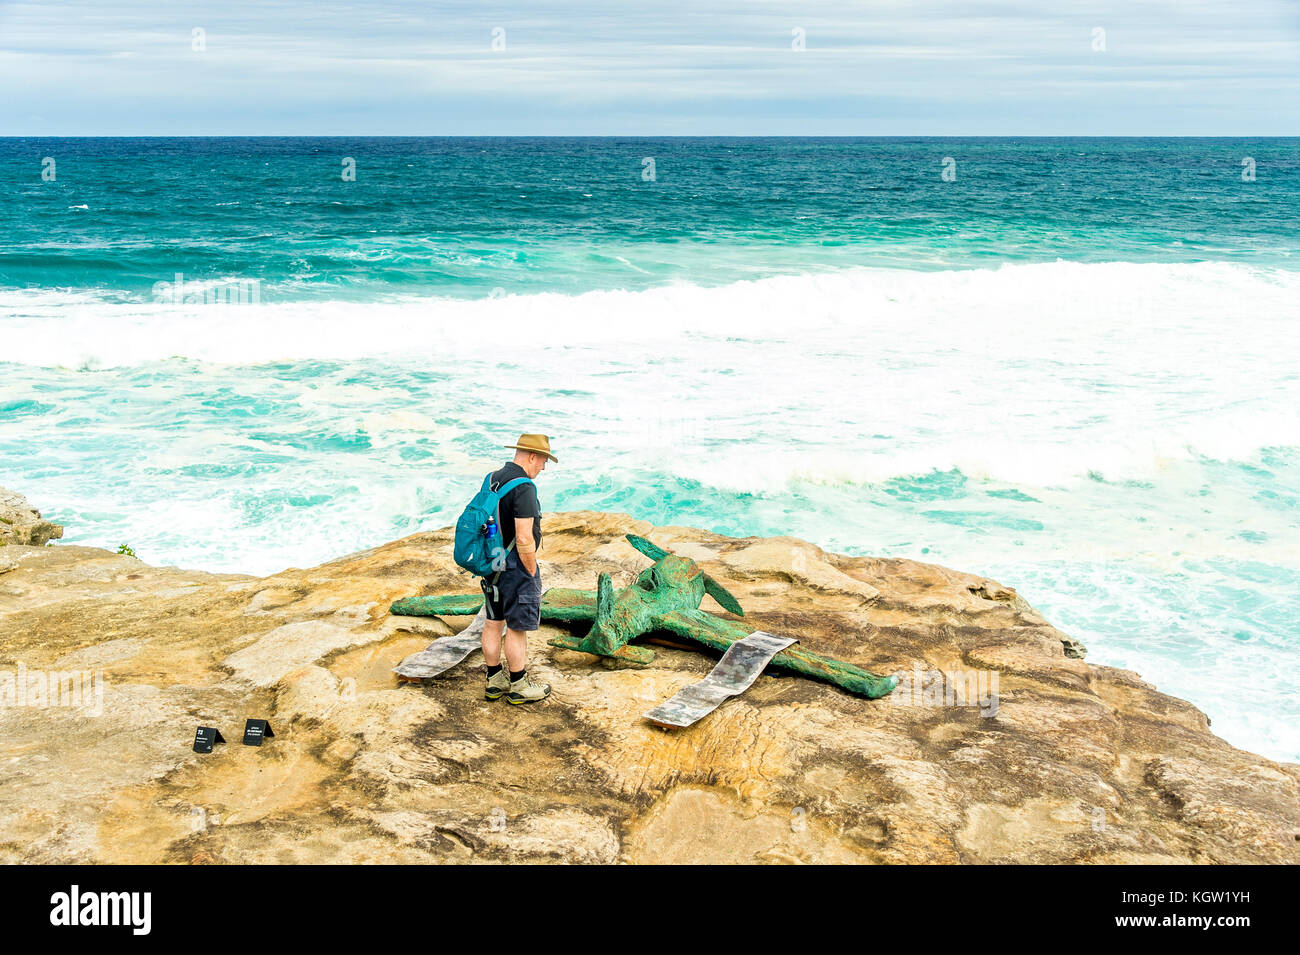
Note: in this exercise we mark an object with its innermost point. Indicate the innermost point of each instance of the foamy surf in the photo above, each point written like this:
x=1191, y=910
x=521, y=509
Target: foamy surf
x=1034, y=309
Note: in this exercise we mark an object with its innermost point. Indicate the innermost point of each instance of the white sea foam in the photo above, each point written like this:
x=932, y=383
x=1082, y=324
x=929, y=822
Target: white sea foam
x=1039, y=375
x=1031, y=309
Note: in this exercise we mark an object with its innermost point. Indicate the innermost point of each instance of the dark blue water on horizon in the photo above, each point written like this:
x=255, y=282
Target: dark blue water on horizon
x=464, y=216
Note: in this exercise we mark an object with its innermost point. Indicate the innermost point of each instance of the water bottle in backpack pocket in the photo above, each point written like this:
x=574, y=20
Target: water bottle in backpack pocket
x=477, y=546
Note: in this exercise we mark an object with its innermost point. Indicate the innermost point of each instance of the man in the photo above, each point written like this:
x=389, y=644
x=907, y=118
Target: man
x=514, y=599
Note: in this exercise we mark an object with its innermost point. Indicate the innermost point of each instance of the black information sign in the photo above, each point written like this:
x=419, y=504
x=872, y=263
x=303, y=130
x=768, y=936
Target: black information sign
x=255, y=731
x=205, y=737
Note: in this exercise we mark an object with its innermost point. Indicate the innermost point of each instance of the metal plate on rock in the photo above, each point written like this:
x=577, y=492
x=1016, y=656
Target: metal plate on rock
x=734, y=674
x=445, y=652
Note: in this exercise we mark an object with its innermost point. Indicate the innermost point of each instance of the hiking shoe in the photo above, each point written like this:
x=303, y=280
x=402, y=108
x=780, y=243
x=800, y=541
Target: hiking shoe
x=497, y=685
x=524, y=690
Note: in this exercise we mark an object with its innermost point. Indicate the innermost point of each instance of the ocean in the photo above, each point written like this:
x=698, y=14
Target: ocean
x=1068, y=364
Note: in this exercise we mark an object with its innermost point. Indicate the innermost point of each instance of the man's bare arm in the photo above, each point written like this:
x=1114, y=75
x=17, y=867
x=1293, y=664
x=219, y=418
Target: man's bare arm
x=525, y=545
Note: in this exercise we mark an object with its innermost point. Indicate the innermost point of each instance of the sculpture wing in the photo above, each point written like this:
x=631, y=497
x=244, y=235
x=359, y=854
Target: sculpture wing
x=649, y=548
x=440, y=605
x=558, y=604
x=701, y=627
x=563, y=605
x=719, y=593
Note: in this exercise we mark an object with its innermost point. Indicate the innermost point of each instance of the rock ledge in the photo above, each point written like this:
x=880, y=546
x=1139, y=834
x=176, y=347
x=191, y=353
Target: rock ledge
x=1068, y=762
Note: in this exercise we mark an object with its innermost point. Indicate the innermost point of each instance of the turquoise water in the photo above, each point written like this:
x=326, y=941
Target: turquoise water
x=460, y=217
x=1074, y=368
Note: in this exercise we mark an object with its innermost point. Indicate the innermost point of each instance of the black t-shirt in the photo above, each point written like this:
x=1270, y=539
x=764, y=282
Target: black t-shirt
x=521, y=502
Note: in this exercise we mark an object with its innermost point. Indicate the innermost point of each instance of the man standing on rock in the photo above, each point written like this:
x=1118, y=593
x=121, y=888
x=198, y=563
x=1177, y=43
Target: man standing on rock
x=515, y=602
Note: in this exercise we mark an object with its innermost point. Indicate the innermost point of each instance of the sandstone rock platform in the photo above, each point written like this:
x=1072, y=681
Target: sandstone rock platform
x=1075, y=762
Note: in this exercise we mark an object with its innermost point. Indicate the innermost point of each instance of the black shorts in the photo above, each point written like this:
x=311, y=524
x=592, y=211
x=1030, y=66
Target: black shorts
x=518, y=596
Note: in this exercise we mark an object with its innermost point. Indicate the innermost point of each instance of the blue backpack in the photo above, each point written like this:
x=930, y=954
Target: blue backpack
x=474, y=550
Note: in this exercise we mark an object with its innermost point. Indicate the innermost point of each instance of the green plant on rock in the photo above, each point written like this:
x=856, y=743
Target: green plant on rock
x=123, y=549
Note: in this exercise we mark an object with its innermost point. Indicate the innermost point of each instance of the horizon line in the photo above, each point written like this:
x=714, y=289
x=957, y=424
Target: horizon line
x=649, y=136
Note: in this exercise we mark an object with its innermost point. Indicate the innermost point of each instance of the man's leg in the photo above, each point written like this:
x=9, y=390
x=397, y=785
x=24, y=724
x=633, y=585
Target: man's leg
x=516, y=649
x=492, y=642
x=498, y=680
x=522, y=605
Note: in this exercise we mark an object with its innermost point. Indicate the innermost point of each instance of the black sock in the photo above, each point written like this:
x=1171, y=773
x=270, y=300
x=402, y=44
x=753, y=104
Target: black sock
x=516, y=677
x=493, y=671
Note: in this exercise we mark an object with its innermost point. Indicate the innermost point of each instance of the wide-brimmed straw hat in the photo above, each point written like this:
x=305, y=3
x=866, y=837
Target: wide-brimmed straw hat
x=537, y=443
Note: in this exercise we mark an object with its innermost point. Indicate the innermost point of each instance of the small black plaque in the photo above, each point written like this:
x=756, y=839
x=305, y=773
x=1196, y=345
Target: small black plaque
x=205, y=737
x=255, y=731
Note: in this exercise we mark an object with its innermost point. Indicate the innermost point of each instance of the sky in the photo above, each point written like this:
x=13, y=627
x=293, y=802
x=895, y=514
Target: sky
x=651, y=67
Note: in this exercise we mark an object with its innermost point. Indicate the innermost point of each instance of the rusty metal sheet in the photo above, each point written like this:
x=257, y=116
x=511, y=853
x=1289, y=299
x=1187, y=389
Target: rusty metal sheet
x=444, y=653
x=734, y=674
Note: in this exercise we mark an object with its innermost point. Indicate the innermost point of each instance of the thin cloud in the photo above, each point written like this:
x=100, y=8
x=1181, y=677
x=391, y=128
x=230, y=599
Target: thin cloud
x=128, y=67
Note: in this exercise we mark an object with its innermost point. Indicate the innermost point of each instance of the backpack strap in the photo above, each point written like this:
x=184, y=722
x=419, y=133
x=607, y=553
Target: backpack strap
x=510, y=486
x=502, y=492
x=499, y=493
x=504, y=489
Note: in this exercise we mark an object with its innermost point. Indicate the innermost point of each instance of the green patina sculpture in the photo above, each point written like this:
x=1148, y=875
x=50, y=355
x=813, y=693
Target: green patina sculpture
x=665, y=597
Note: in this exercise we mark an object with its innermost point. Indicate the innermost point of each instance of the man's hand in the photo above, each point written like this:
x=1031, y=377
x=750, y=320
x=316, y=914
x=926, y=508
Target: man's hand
x=525, y=546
